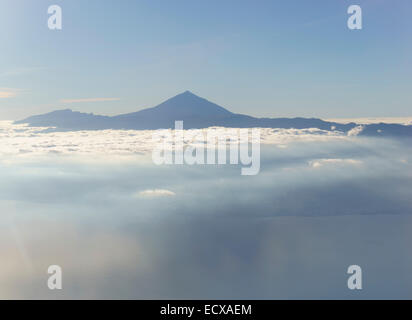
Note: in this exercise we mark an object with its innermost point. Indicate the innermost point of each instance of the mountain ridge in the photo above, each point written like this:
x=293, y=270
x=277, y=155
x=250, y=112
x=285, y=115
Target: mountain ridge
x=196, y=113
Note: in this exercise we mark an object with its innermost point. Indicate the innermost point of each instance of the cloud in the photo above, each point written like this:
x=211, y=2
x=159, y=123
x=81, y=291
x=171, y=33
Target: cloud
x=270, y=236
x=156, y=193
x=399, y=120
x=323, y=162
x=24, y=140
x=88, y=100
x=7, y=93
x=355, y=131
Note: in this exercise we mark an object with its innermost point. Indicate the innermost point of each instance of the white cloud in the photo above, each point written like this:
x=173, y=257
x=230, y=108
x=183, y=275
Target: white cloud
x=29, y=141
x=156, y=193
x=355, y=131
x=399, y=120
x=323, y=162
x=89, y=100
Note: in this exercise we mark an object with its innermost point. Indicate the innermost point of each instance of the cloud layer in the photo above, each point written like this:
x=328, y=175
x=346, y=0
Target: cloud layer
x=134, y=230
x=26, y=141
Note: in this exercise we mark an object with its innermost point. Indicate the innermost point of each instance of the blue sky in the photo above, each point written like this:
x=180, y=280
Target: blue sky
x=264, y=58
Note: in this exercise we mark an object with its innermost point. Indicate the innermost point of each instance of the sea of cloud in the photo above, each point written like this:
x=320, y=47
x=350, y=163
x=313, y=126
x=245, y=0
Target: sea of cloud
x=21, y=140
x=122, y=227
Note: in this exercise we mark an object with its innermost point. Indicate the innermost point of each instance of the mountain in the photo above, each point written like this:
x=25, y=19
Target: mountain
x=68, y=119
x=195, y=112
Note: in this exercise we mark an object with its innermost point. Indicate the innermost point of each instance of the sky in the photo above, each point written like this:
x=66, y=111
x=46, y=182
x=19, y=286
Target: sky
x=263, y=58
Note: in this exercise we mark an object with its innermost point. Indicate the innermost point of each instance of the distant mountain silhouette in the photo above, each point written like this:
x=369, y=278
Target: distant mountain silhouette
x=195, y=112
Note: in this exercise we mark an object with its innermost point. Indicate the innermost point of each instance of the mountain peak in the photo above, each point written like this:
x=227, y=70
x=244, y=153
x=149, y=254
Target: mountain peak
x=64, y=111
x=187, y=94
x=188, y=104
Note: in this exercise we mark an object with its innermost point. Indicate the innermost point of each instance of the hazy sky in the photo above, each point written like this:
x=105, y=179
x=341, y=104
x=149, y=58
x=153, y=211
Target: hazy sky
x=264, y=58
